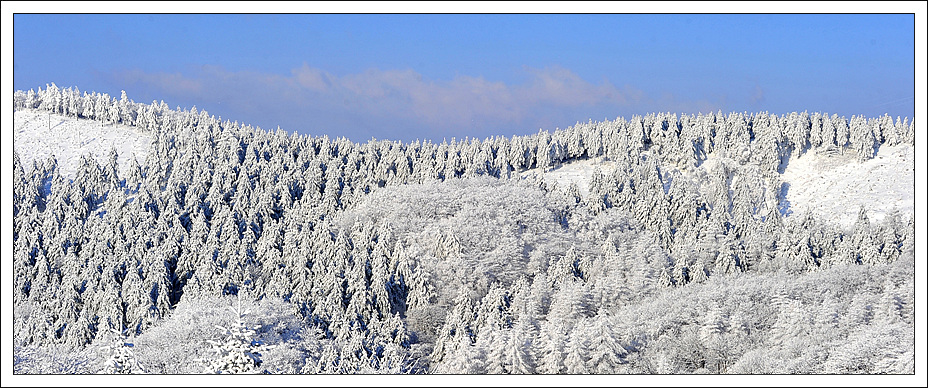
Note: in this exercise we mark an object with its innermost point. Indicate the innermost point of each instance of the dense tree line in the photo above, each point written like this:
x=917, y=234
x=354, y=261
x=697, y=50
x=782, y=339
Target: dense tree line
x=413, y=257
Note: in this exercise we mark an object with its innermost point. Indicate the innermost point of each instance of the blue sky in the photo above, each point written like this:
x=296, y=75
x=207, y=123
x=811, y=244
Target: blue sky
x=440, y=76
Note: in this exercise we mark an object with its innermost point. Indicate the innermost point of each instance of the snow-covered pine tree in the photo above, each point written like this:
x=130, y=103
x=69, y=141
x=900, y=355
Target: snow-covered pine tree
x=121, y=359
x=578, y=349
x=496, y=343
x=842, y=131
x=606, y=354
x=797, y=131
x=862, y=138
x=550, y=346
x=520, y=349
x=237, y=352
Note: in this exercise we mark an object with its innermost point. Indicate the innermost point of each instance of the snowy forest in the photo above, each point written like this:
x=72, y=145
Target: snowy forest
x=234, y=249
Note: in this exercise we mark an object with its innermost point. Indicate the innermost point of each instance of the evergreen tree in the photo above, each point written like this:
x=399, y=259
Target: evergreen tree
x=521, y=346
x=606, y=354
x=237, y=352
x=577, y=350
x=121, y=359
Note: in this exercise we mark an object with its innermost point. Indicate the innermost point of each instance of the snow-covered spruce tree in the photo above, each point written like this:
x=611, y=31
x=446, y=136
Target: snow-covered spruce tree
x=237, y=352
x=121, y=359
x=863, y=139
x=606, y=353
x=578, y=349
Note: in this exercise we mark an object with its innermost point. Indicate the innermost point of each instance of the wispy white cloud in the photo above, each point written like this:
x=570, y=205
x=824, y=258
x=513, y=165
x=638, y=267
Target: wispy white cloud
x=757, y=96
x=560, y=86
x=312, y=78
x=388, y=101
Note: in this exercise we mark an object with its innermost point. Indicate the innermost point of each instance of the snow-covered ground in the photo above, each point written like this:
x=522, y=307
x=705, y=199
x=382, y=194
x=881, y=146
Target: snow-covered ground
x=39, y=134
x=834, y=186
x=579, y=172
x=830, y=185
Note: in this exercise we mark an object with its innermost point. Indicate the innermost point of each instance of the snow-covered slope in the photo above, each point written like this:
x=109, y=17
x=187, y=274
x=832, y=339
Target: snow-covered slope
x=828, y=184
x=39, y=134
x=579, y=172
x=835, y=186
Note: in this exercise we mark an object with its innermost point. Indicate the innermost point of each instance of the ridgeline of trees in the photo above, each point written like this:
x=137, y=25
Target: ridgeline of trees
x=425, y=257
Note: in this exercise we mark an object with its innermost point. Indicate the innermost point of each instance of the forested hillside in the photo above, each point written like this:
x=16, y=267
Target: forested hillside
x=422, y=257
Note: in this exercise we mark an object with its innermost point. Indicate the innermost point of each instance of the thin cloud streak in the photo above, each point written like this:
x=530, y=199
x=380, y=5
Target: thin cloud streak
x=396, y=104
x=757, y=96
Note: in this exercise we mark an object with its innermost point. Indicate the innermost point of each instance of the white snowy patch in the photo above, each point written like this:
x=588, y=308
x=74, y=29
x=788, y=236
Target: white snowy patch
x=579, y=172
x=39, y=134
x=831, y=185
x=835, y=186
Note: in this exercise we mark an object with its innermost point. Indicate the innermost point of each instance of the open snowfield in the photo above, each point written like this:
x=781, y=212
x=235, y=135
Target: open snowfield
x=835, y=186
x=831, y=185
x=39, y=134
x=579, y=172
